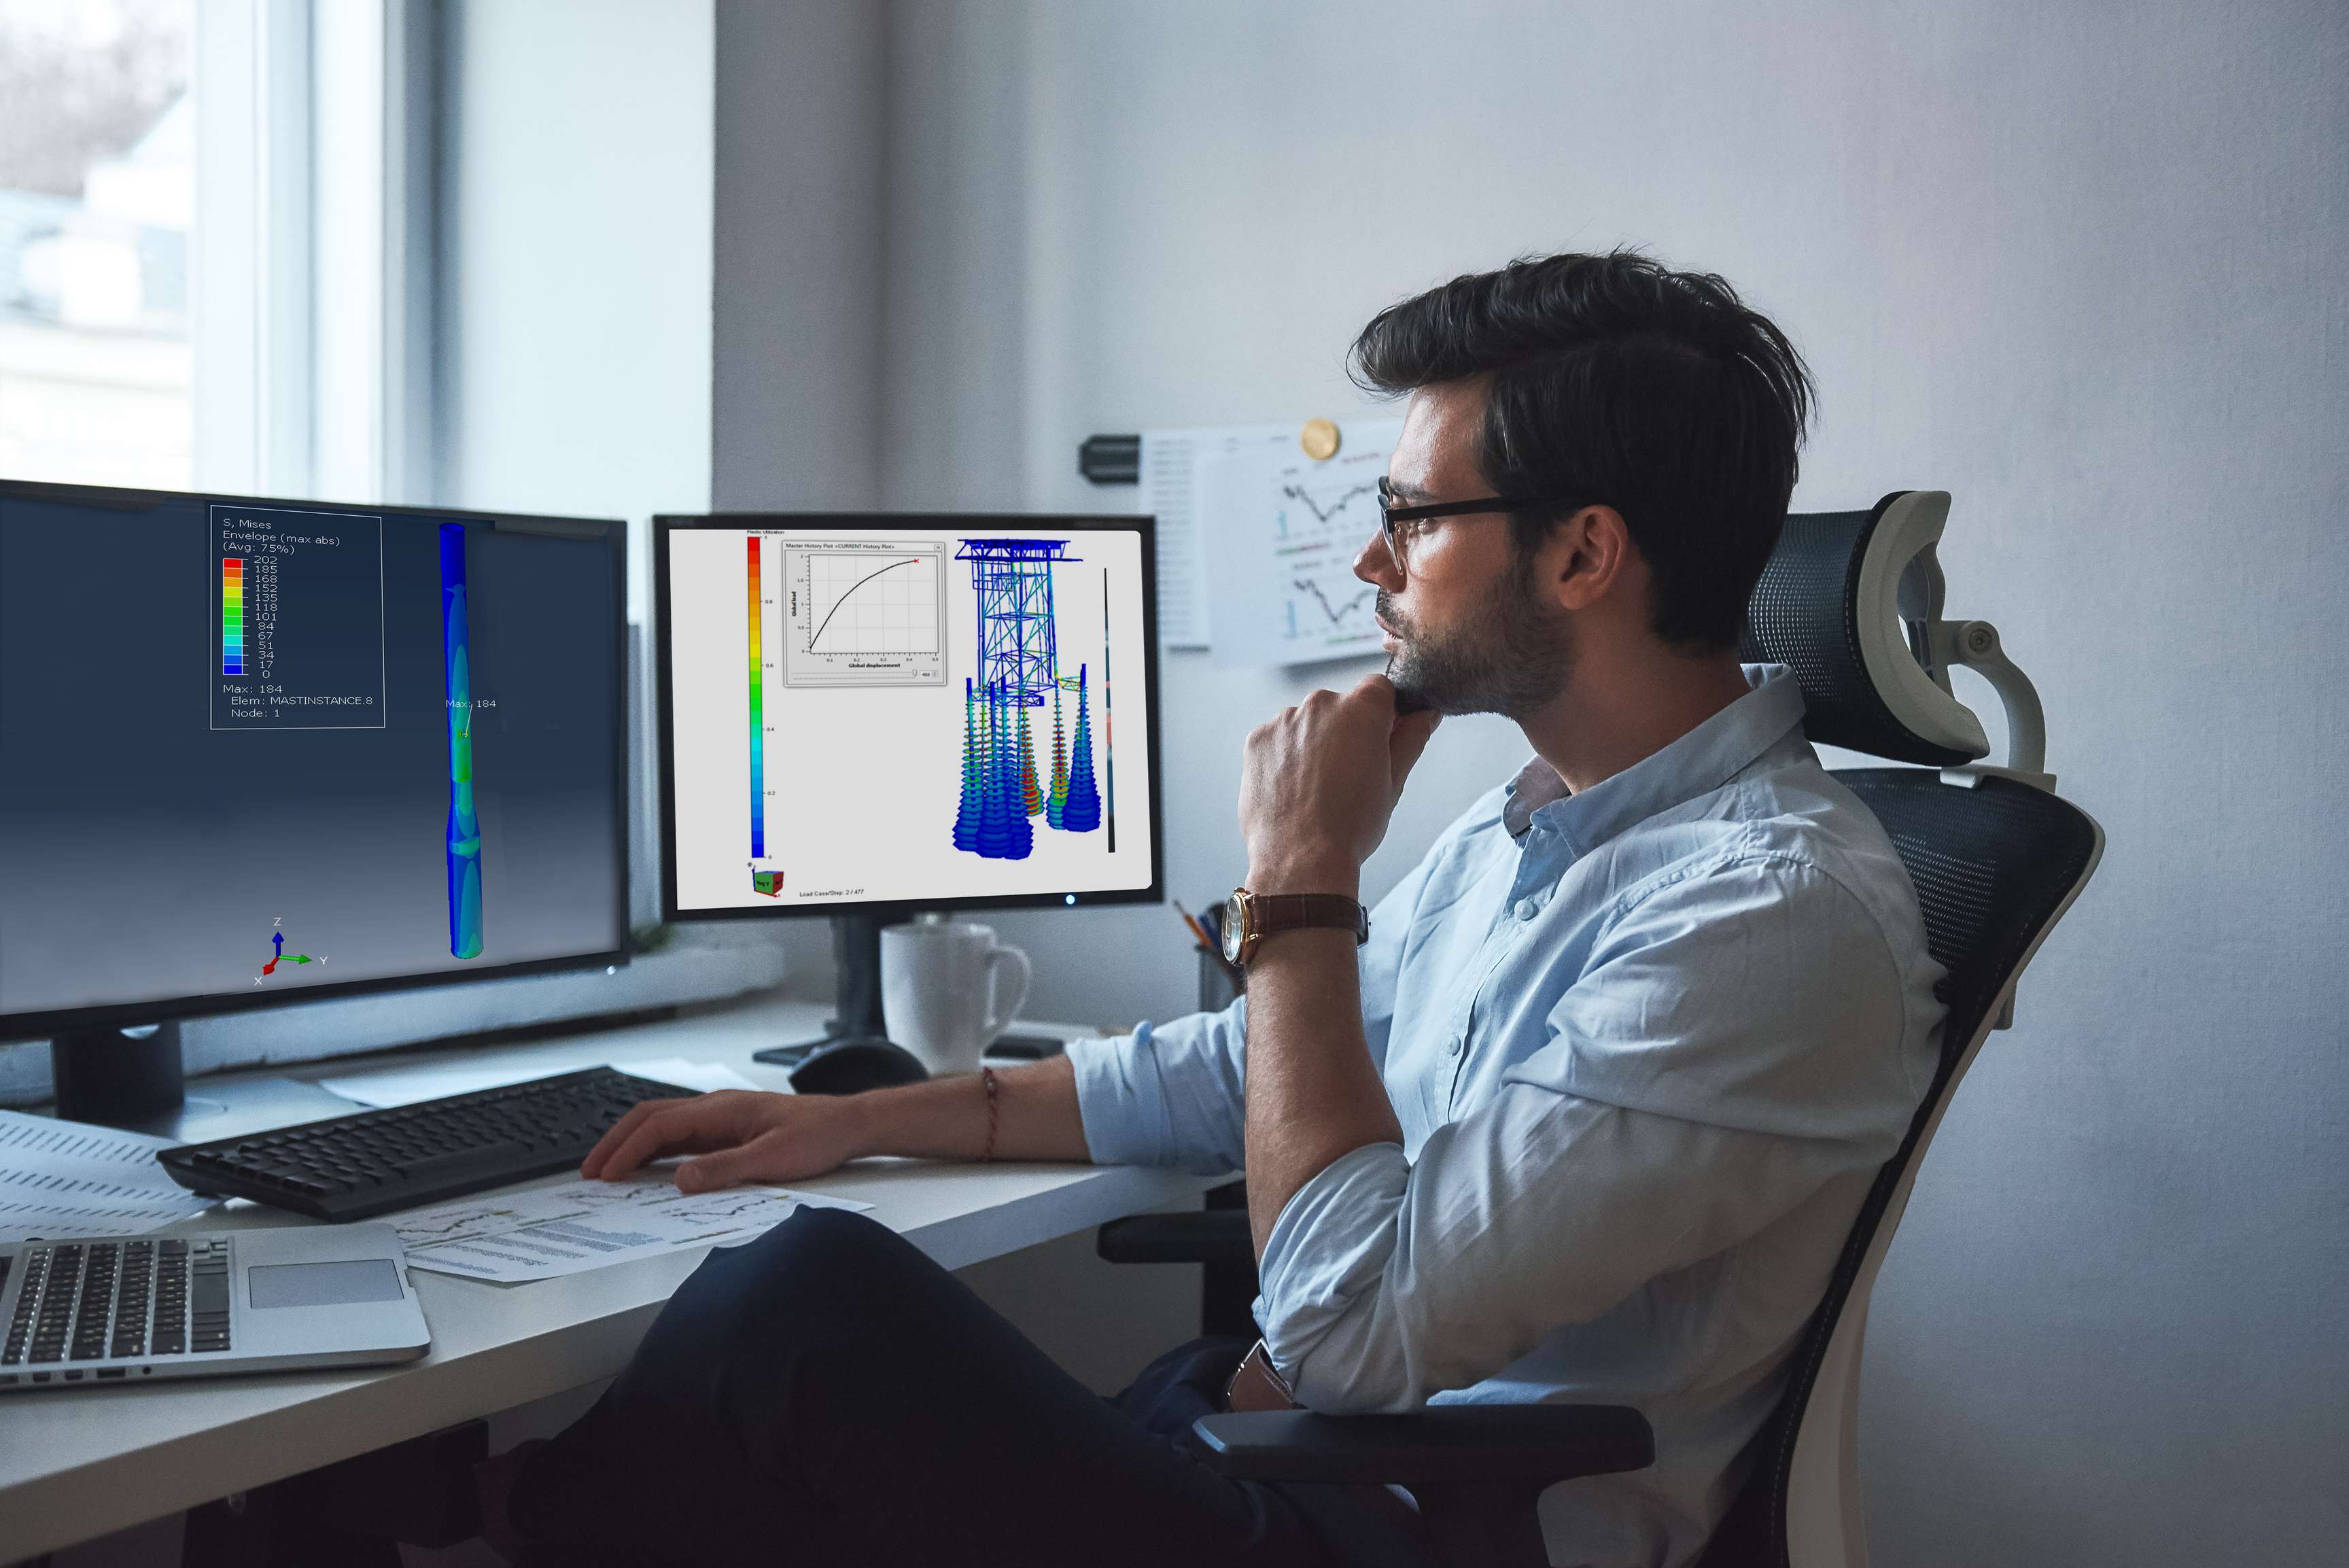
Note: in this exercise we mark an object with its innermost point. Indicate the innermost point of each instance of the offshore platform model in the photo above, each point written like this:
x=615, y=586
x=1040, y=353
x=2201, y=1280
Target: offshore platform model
x=1017, y=665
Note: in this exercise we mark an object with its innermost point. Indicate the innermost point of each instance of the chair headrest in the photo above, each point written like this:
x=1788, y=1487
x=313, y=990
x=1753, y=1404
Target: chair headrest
x=1845, y=602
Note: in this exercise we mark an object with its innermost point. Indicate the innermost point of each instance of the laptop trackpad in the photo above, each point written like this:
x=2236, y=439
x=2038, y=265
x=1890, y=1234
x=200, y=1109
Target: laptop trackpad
x=324, y=1284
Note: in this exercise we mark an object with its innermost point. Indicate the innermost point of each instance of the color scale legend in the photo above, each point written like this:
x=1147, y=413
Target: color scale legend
x=758, y=720
x=302, y=630
x=231, y=615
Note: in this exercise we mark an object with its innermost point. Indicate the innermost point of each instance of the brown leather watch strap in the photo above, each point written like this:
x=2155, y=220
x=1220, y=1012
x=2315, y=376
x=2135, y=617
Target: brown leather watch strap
x=1297, y=911
x=1258, y=1384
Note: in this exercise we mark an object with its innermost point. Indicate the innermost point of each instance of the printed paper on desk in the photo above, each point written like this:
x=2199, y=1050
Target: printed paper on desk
x=1280, y=533
x=67, y=1179
x=584, y=1224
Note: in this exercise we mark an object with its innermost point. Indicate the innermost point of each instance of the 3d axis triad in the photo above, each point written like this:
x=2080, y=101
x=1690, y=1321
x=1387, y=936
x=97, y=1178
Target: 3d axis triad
x=279, y=955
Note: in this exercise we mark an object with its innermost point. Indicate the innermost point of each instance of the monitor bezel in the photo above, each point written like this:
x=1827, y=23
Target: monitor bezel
x=665, y=525
x=23, y=1025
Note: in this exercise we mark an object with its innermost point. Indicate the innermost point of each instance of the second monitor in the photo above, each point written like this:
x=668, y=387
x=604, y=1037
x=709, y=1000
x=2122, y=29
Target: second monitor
x=875, y=715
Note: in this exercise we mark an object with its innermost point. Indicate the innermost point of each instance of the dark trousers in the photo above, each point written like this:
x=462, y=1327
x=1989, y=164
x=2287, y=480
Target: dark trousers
x=828, y=1395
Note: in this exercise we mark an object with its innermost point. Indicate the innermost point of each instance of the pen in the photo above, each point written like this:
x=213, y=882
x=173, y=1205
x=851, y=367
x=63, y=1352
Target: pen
x=1192, y=920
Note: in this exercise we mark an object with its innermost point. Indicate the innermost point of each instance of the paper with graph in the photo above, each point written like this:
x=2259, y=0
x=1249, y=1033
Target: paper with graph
x=581, y=1225
x=1279, y=534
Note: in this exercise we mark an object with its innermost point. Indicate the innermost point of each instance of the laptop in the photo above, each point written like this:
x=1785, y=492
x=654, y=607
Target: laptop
x=135, y=1309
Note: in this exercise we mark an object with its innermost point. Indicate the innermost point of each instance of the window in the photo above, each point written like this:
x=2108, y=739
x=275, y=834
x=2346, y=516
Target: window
x=97, y=209
x=215, y=244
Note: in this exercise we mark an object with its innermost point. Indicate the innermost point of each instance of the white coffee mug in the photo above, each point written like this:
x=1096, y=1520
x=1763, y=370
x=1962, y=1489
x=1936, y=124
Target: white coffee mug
x=948, y=989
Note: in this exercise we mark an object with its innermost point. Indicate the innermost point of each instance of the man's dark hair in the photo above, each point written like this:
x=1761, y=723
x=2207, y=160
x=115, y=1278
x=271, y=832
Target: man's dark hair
x=1613, y=380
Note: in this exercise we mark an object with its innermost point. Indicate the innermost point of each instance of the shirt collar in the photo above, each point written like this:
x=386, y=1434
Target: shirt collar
x=1699, y=762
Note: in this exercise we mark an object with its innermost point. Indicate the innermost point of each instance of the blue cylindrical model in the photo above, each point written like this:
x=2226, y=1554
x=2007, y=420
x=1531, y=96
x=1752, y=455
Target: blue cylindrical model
x=464, y=827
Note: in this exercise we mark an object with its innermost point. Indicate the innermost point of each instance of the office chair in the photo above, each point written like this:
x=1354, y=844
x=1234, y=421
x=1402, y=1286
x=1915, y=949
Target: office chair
x=1851, y=602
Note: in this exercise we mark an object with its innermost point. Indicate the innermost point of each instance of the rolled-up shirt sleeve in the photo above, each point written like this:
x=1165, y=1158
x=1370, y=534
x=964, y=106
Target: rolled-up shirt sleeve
x=1167, y=1094
x=1170, y=1094
x=1702, y=1078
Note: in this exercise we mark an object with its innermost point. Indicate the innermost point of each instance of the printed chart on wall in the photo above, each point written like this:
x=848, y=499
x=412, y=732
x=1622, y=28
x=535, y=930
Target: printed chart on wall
x=1281, y=530
x=864, y=715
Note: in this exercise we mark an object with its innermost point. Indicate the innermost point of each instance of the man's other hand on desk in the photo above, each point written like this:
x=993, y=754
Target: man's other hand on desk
x=737, y=1135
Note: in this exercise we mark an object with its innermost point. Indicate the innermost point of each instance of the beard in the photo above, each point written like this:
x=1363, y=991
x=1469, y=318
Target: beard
x=1510, y=657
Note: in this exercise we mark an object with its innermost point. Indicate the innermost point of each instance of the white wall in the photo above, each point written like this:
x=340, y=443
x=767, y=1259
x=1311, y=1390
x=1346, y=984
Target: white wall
x=796, y=270
x=576, y=191
x=2084, y=267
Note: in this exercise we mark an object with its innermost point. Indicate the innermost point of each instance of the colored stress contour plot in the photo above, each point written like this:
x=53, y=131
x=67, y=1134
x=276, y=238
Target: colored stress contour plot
x=1019, y=663
x=464, y=826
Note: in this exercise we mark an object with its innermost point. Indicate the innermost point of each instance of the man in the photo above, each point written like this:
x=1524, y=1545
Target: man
x=1587, y=1119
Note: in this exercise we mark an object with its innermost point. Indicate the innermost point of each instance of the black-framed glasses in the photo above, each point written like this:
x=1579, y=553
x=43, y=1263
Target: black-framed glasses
x=1390, y=514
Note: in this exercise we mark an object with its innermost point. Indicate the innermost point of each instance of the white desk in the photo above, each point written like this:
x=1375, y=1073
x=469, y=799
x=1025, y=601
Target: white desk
x=79, y=1463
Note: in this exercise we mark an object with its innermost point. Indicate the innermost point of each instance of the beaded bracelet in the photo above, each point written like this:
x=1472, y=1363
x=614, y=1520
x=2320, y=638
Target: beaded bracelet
x=994, y=1090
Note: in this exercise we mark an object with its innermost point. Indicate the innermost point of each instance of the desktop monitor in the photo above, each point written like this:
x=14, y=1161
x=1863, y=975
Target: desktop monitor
x=267, y=751
x=868, y=716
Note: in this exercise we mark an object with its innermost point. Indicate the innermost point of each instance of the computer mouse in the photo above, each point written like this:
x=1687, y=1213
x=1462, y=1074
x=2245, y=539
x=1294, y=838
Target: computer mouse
x=852, y=1066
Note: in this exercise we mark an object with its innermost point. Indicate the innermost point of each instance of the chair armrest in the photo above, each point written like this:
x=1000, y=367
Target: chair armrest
x=1479, y=1445
x=1209, y=1236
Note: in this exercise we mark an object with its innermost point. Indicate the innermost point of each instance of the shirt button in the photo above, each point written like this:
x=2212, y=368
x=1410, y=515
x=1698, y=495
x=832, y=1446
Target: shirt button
x=1526, y=909
x=1451, y=1047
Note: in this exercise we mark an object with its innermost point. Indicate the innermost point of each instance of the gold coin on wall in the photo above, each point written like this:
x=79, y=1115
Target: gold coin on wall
x=1319, y=440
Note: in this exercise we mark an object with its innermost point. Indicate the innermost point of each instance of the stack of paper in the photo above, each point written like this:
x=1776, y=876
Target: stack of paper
x=64, y=1178
x=583, y=1225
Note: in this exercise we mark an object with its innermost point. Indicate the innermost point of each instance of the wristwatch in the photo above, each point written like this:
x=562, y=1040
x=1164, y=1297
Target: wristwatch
x=1250, y=917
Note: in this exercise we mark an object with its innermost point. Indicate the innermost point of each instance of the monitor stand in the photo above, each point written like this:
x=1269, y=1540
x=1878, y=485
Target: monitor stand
x=856, y=1011
x=127, y=1078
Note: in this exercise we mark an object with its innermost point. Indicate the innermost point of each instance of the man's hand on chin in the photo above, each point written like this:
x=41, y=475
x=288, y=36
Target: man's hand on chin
x=1319, y=783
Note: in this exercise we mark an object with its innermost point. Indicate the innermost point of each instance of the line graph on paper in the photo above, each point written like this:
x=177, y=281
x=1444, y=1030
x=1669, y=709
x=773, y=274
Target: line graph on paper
x=731, y=1210
x=1323, y=515
x=1278, y=535
x=1336, y=613
x=457, y=1223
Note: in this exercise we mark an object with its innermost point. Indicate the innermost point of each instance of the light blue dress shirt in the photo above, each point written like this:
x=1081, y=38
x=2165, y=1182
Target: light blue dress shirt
x=1648, y=1045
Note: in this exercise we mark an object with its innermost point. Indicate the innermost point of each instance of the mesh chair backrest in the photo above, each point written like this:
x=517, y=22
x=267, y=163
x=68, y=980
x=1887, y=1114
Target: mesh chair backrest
x=1805, y=614
x=1994, y=865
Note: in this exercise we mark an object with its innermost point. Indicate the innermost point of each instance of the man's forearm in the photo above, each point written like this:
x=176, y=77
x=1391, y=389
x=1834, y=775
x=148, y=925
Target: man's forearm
x=946, y=1119
x=1312, y=1094
x=1317, y=786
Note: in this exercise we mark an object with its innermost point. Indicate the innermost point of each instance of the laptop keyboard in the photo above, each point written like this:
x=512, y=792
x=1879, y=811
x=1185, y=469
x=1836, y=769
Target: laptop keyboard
x=95, y=1301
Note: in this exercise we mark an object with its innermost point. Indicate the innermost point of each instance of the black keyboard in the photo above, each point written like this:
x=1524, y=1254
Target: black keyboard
x=99, y=1301
x=374, y=1161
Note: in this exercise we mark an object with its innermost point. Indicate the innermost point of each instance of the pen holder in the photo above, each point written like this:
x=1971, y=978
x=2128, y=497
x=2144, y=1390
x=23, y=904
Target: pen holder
x=1219, y=981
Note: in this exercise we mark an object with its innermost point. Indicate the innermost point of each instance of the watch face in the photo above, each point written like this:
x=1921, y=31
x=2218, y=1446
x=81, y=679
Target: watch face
x=1235, y=927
